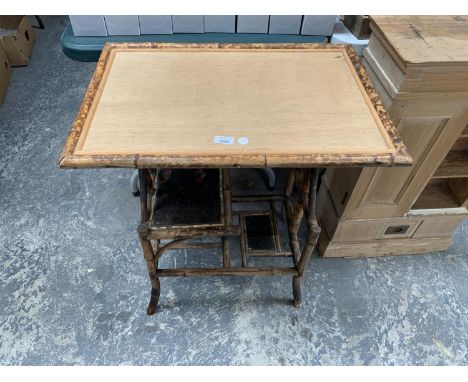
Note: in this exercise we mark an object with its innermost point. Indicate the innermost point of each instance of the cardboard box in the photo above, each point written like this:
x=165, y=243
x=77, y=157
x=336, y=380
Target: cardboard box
x=122, y=25
x=17, y=39
x=155, y=24
x=318, y=25
x=285, y=24
x=88, y=25
x=188, y=24
x=5, y=73
x=220, y=24
x=252, y=24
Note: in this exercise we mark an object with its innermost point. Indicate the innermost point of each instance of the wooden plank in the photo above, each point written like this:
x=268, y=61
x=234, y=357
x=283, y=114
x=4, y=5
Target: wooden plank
x=164, y=101
x=296, y=104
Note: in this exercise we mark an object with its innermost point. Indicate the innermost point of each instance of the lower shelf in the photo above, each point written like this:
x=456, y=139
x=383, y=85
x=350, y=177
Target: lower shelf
x=435, y=195
x=454, y=165
x=443, y=193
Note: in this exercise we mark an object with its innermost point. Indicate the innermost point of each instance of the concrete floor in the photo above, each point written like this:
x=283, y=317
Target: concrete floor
x=74, y=287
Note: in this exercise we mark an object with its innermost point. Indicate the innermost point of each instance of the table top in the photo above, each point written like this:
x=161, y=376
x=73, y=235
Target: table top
x=225, y=105
x=427, y=40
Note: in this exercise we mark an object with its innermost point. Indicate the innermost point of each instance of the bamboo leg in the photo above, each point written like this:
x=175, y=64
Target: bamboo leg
x=226, y=256
x=313, y=232
x=227, y=216
x=152, y=266
x=289, y=187
x=288, y=210
x=275, y=227
x=153, y=202
x=301, y=197
x=243, y=240
x=294, y=218
x=293, y=239
x=298, y=178
x=154, y=300
x=143, y=195
x=313, y=229
x=149, y=182
x=148, y=251
x=304, y=187
x=297, y=291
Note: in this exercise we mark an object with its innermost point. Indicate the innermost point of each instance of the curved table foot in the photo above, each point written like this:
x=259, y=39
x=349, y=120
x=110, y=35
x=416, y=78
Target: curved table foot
x=297, y=291
x=154, y=302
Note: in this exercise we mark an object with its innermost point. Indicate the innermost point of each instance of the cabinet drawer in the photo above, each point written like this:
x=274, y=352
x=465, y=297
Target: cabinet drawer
x=363, y=230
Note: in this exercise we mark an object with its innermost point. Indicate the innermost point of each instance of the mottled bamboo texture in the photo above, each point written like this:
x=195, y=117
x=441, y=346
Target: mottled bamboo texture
x=69, y=159
x=298, y=205
x=299, y=199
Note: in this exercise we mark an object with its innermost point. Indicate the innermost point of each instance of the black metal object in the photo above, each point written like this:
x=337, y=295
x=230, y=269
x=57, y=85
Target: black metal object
x=39, y=22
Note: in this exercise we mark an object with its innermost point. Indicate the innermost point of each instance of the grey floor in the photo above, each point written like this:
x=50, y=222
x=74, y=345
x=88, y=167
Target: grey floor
x=74, y=287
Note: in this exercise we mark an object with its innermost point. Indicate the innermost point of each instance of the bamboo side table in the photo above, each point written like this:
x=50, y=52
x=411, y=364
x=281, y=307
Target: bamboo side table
x=206, y=108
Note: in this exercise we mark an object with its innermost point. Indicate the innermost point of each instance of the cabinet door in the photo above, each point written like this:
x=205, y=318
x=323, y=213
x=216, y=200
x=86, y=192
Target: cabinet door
x=429, y=125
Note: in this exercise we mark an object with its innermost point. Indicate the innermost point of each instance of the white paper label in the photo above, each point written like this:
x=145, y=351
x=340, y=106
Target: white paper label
x=243, y=140
x=223, y=140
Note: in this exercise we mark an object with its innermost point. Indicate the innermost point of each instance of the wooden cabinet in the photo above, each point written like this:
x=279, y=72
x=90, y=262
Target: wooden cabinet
x=422, y=79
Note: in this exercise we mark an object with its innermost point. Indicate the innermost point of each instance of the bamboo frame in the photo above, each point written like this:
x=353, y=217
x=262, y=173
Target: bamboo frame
x=246, y=253
x=227, y=215
x=242, y=271
x=70, y=159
